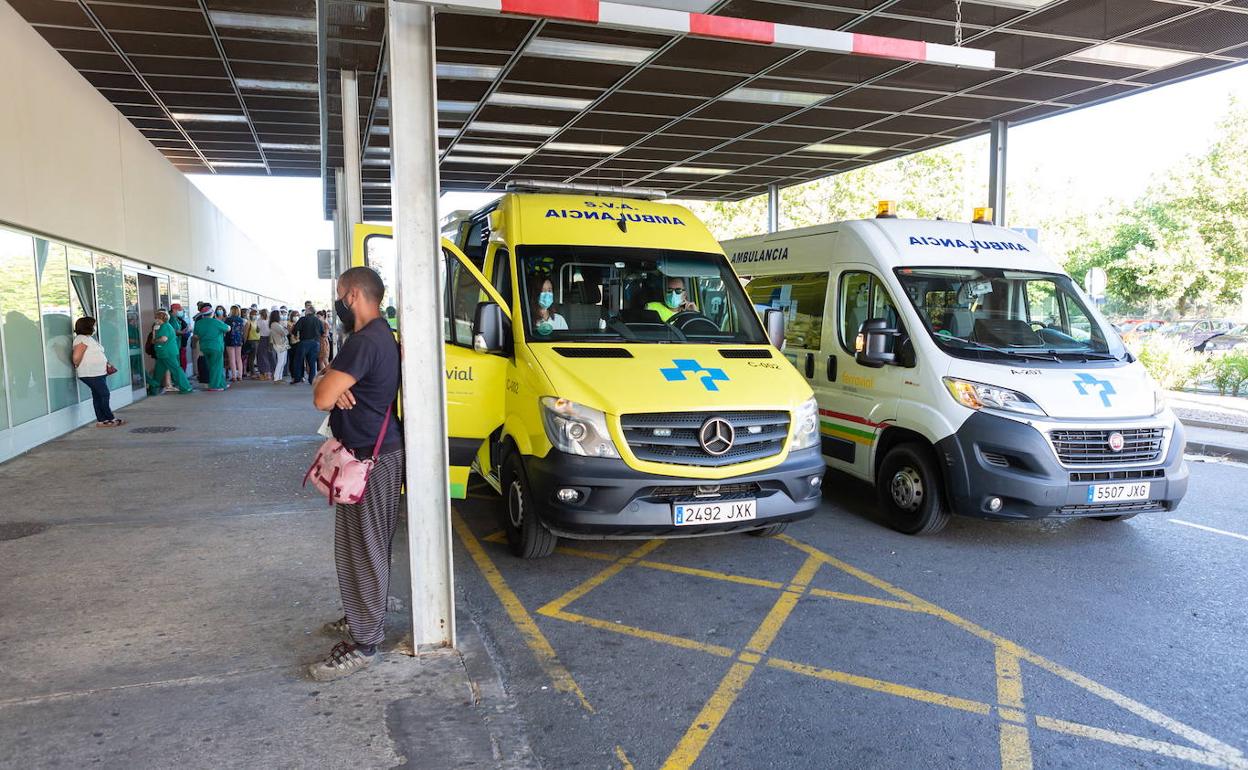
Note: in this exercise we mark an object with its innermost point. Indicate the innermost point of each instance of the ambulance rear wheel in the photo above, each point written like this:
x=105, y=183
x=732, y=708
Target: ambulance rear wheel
x=527, y=537
x=909, y=488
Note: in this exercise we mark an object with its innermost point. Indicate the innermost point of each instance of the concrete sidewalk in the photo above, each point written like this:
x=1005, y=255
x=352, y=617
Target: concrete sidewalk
x=164, y=590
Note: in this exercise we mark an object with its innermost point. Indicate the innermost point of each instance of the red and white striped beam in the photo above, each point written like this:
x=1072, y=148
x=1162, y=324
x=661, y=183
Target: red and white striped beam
x=663, y=21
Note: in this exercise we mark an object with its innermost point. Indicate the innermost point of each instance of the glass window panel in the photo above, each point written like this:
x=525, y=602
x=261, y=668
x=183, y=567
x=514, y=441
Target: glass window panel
x=379, y=254
x=801, y=297
x=112, y=316
x=80, y=259
x=58, y=341
x=163, y=284
x=134, y=337
x=855, y=306
x=23, y=337
x=82, y=303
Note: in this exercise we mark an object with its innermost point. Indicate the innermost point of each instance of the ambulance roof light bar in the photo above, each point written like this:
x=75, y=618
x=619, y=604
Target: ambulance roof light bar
x=535, y=185
x=886, y=210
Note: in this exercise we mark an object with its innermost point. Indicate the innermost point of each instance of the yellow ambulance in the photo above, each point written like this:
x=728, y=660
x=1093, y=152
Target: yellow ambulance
x=608, y=376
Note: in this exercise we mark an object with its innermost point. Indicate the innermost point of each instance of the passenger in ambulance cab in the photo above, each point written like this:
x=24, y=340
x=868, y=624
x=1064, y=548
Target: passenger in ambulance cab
x=545, y=319
x=675, y=300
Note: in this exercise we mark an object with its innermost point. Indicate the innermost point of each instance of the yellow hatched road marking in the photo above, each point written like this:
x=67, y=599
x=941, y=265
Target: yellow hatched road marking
x=907, y=606
x=555, y=606
x=708, y=719
x=620, y=755
x=1209, y=758
x=710, y=574
x=641, y=633
x=1015, y=742
x=520, y=618
x=879, y=685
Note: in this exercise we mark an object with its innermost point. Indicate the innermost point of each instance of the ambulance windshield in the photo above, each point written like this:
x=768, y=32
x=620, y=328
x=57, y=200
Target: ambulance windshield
x=600, y=294
x=988, y=313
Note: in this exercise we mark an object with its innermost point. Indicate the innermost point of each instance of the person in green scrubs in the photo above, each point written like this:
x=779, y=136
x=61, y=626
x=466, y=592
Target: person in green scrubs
x=211, y=333
x=165, y=341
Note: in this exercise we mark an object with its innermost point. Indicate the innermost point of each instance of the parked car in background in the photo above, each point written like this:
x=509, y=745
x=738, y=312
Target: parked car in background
x=1196, y=332
x=1234, y=339
x=1134, y=328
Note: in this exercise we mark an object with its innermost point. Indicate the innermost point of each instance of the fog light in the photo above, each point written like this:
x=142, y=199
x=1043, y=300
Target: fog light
x=567, y=495
x=816, y=481
x=994, y=504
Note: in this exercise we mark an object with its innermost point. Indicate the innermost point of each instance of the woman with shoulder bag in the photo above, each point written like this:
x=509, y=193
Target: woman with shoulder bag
x=93, y=369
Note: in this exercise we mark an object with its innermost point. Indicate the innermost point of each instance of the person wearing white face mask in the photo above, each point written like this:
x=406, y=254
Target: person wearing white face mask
x=545, y=319
x=279, y=344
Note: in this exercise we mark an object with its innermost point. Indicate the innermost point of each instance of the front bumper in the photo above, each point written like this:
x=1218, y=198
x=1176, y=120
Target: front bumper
x=1036, y=485
x=619, y=502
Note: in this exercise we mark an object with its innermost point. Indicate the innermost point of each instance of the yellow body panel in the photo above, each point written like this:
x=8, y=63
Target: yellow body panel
x=505, y=392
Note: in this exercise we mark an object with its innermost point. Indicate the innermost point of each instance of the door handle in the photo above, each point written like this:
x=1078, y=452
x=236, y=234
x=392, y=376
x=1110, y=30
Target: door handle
x=810, y=366
x=831, y=368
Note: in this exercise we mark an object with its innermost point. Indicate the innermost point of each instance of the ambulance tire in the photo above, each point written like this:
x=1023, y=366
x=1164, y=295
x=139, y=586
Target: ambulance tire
x=910, y=492
x=771, y=530
x=527, y=537
x=1117, y=517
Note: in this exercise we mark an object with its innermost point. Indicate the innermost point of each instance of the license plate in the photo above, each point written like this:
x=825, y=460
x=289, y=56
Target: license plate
x=685, y=514
x=1112, y=493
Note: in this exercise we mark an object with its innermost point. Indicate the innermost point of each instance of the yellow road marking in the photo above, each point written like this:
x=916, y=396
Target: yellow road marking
x=520, y=618
x=708, y=719
x=864, y=599
x=582, y=553
x=1015, y=747
x=711, y=574
x=620, y=755
x=496, y=537
x=555, y=606
x=879, y=685
x=1122, y=701
x=641, y=633
x=1009, y=679
x=1209, y=758
x=1015, y=742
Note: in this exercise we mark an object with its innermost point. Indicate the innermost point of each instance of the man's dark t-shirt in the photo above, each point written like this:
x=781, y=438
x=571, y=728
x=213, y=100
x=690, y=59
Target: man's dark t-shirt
x=371, y=356
x=309, y=329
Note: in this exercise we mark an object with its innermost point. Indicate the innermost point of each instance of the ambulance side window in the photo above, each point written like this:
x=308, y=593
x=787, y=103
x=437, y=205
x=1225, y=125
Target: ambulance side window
x=474, y=246
x=801, y=296
x=862, y=298
x=502, y=275
x=462, y=295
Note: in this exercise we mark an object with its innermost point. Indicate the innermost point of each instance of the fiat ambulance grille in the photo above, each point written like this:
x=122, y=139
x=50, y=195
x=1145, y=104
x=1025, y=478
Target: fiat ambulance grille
x=672, y=437
x=1091, y=447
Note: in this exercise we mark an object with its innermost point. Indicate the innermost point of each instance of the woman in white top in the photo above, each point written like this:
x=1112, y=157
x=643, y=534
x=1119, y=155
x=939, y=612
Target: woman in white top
x=92, y=366
x=279, y=340
x=264, y=350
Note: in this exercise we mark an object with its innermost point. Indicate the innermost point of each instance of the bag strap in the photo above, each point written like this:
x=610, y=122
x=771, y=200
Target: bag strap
x=381, y=436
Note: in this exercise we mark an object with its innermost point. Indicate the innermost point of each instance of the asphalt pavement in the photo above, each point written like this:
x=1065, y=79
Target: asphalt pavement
x=1058, y=644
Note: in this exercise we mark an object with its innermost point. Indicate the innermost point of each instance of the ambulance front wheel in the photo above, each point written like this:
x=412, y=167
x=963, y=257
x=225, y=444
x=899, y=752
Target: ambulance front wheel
x=527, y=537
x=910, y=493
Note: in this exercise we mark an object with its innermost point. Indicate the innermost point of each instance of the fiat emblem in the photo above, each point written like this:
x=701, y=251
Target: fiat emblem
x=716, y=436
x=1116, y=442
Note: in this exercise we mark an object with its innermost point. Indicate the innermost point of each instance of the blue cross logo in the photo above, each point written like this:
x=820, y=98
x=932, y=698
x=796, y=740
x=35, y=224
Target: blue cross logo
x=690, y=366
x=1085, y=381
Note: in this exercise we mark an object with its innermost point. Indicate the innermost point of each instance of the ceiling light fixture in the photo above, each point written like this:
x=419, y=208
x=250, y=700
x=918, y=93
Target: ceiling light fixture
x=235, y=20
x=483, y=161
x=769, y=96
x=699, y=170
x=604, y=149
x=843, y=149
x=539, y=101
x=376, y=161
x=379, y=130
x=467, y=71
x=290, y=146
x=446, y=105
x=207, y=117
x=486, y=127
x=260, y=84
x=376, y=150
x=233, y=164
x=495, y=148
x=1138, y=56
x=577, y=49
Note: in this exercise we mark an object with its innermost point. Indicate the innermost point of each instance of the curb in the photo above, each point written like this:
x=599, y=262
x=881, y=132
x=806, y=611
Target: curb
x=1214, y=425
x=1213, y=450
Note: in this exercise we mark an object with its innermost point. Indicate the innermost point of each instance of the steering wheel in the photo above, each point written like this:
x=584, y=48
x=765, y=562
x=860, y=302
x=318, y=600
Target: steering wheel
x=693, y=322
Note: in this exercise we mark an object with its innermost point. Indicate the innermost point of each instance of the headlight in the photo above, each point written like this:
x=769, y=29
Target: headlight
x=576, y=429
x=806, y=425
x=975, y=395
x=1159, y=401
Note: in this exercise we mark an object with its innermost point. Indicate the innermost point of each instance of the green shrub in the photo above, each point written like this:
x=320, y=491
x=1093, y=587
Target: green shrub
x=1171, y=362
x=1230, y=372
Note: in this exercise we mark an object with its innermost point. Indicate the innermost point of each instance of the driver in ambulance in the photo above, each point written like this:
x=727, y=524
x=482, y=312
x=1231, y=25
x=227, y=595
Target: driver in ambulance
x=675, y=300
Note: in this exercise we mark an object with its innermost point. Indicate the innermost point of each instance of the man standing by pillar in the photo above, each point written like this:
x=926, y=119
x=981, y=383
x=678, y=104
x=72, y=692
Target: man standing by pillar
x=359, y=390
x=309, y=330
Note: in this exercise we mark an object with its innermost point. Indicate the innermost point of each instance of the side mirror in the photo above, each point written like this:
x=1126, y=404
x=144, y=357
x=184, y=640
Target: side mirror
x=871, y=346
x=773, y=320
x=488, y=330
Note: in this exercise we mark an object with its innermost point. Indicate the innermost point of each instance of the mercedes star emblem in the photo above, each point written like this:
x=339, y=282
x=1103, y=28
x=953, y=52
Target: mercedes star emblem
x=716, y=436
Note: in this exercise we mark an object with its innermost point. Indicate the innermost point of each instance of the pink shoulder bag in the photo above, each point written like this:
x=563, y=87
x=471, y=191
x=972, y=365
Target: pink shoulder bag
x=340, y=475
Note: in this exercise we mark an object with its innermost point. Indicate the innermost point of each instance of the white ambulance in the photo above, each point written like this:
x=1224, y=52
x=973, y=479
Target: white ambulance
x=961, y=371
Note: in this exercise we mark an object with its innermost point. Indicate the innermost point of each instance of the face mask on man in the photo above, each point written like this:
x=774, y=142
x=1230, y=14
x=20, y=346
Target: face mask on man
x=674, y=297
x=545, y=299
x=345, y=314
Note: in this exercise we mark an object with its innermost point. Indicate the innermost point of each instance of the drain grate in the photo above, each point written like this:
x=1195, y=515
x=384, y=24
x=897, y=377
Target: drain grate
x=153, y=429
x=19, y=529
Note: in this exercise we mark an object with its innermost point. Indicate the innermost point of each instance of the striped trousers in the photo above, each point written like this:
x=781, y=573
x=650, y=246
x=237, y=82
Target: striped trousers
x=363, y=533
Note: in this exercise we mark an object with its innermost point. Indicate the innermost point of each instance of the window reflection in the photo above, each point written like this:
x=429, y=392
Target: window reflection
x=19, y=298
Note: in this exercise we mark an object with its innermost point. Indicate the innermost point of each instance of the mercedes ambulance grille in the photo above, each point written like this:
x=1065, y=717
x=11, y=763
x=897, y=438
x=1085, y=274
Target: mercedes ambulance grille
x=672, y=437
x=1092, y=447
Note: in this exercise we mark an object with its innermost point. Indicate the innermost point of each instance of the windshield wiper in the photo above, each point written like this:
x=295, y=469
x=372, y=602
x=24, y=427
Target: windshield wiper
x=1047, y=356
x=1088, y=355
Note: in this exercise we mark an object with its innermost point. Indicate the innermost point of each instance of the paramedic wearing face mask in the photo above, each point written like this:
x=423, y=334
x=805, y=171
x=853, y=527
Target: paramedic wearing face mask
x=546, y=320
x=675, y=300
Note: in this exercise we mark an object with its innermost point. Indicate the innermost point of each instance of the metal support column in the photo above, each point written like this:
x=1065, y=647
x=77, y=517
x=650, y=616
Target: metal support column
x=350, y=198
x=414, y=195
x=996, y=171
x=773, y=208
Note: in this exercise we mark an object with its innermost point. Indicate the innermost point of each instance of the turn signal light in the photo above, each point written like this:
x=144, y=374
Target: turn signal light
x=886, y=210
